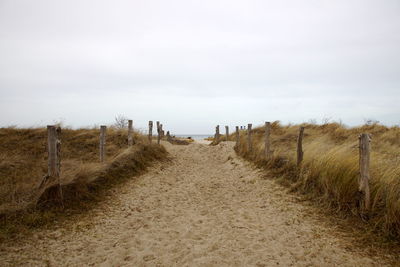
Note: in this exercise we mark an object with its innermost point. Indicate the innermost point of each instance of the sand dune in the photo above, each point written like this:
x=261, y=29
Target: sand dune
x=205, y=207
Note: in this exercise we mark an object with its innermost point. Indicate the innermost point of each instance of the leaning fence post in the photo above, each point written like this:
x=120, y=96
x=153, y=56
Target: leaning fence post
x=103, y=129
x=267, y=145
x=237, y=136
x=227, y=133
x=150, y=131
x=300, y=152
x=364, y=149
x=161, y=131
x=130, y=130
x=249, y=141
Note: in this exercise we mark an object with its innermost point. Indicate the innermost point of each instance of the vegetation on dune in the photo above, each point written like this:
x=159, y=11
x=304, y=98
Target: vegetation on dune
x=330, y=169
x=23, y=164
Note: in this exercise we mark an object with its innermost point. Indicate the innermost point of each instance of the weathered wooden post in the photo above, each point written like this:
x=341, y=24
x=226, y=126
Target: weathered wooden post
x=237, y=136
x=130, y=131
x=169, y=138
x=364, y=149
x=53, y=168
x=217, y=133
x=158, y=132
x=54, y=157
x=150, y=131
x=103, y=130
x=161, y=131
x=267, y=145
x=249, y=140
x=227, y=133
x=300, y=152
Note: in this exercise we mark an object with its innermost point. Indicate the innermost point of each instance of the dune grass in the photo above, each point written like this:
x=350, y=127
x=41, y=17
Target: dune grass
x=23, y=165
x=330, y=171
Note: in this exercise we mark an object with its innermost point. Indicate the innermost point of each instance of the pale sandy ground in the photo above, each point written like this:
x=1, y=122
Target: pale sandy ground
x=200, y=209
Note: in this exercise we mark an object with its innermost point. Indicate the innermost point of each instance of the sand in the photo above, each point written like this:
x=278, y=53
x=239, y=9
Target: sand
x=205, y=207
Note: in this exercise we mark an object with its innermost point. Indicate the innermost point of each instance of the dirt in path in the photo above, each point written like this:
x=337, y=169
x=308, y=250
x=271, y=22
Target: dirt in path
x=205, y=207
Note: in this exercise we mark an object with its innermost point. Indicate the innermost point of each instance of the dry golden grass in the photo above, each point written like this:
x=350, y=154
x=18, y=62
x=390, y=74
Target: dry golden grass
x=23, y=164
x=330, y=172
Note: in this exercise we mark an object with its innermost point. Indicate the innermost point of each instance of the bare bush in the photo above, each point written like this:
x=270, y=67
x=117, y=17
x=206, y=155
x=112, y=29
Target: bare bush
x=121, y=122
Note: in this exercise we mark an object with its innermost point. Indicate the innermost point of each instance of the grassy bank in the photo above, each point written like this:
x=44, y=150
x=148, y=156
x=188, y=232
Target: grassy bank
x=23, y=165
x=329, y=173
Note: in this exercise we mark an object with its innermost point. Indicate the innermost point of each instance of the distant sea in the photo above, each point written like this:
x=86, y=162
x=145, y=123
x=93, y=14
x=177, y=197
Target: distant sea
x=194, y=136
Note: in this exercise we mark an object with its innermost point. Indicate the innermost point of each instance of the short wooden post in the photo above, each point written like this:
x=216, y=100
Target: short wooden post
x=54, y=157
x=158, y=132
x=161, y=131
x=169, y=138
x=300, y=152
x=267, y=145
x=249, y=139
x=237, y=136
x=227, y=133
x=364, y=149
x=103, y=130
x=217, y=133
x=130, y=131
x=150, y=136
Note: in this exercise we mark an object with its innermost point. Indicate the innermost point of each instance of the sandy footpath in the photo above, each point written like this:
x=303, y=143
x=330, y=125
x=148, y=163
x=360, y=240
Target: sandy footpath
x=199, y=209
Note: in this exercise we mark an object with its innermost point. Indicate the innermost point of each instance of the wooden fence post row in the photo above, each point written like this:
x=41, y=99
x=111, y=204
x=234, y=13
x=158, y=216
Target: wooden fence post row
x=103, y=130
x=249, y=141
x=364, y=155
x=364, y=150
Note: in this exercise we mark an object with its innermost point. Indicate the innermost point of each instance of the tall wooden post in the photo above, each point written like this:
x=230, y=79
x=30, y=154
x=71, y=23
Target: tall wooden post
x=237, y=136
x=267, y=145
x=158, y=132
x=103, y=130
x=130, y=131
x=249, y=139
x=150, y=136
x=300, y=152
x=227, y=133
x=364, y=147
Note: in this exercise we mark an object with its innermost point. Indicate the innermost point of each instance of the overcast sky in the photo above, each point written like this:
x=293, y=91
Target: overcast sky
x=195, y=64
